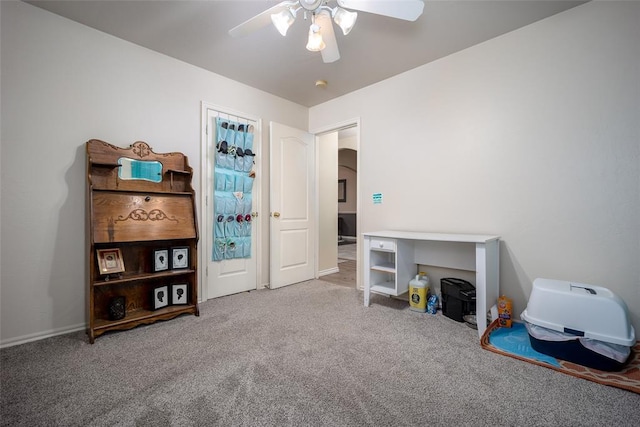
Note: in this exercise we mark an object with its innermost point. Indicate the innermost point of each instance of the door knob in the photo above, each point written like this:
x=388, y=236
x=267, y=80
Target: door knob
x=276, y=214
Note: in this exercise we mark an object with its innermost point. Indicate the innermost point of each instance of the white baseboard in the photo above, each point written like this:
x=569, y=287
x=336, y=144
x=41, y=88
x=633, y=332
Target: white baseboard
x=328, y=271
x=41, y=335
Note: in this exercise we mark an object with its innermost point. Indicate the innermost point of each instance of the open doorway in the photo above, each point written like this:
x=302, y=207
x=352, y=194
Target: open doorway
x=345, y=214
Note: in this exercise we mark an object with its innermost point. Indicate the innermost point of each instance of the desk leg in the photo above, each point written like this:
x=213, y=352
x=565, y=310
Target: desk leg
x=487, y=281
x=367, y=270
x=481, y=288
x=367, y=293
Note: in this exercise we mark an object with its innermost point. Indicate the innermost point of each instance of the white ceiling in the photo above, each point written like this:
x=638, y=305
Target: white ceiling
x=377, y=48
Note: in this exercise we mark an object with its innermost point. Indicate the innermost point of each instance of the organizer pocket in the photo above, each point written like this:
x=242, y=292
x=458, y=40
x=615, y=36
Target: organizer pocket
x=231, y=135
x=231, y=248
x=229, y=182
x=239, y=183
x=245, y=207
x=246, y=247
x=247, y=163
x=219, y=202
x=221, y=128
x=231, y=229
x=225, y=161
x=220, y=225
x=219, y=247
x=248, y=141
x=239, y=163
x=239, y=139
x=220, y=181
x=229, y=204
x=243, y=228
x=248, y=184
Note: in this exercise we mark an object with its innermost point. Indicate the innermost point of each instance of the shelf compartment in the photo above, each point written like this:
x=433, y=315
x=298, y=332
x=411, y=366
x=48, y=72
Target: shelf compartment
x=387, y=267
x=142, y=276
x=387, y=288
x=142, y=316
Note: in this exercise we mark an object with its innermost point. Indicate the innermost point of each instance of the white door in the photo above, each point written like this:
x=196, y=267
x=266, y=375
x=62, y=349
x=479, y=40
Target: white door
x=292, y=206
x=228, y=276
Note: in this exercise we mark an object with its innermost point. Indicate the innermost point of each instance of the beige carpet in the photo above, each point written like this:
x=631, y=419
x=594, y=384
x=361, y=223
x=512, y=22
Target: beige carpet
x=304, y=355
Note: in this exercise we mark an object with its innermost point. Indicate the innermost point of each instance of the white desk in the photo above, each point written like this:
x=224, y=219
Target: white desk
x=391, y=259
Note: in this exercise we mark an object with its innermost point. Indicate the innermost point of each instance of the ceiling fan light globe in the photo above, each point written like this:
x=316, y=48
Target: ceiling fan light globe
x=283, y=20
x=344, y=19
x=315, y=42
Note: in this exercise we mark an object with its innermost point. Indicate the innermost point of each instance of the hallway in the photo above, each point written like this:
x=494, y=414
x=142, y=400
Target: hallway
x=348, y=266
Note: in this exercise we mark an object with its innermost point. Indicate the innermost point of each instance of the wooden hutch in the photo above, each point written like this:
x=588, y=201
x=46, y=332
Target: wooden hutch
x=140, y=211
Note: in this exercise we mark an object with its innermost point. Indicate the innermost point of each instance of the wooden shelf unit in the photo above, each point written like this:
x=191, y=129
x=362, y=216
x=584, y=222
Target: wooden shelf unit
x=138, y=217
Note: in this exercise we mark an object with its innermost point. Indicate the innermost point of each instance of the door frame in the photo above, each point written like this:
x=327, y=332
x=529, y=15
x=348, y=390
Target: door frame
x=329, y=129
x=206, y=176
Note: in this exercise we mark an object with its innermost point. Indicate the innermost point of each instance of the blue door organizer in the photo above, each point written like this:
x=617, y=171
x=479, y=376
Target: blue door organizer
x=233, y=177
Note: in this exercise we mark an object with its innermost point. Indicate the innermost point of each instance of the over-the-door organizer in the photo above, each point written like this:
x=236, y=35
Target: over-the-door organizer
x=233, y=187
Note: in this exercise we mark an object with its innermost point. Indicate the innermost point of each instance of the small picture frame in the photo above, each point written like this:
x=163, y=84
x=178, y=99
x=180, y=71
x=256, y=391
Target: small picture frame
x=179, y=257
x=110, y=261
x=342, y=190
x=160, y=260
x=179, y=294
x=160, y=297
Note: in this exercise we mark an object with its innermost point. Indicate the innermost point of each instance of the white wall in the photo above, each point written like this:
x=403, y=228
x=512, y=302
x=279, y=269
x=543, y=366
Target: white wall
x=62, y=84
x=327, y=148
x=533, y=136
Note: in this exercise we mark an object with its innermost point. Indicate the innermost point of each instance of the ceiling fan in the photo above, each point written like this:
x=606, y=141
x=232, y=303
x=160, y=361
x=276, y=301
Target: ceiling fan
x=321, y=35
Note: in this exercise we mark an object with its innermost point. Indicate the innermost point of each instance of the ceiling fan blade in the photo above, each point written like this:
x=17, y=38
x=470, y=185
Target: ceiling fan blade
x=330, y=53
x=260, y=20
x=409, y=10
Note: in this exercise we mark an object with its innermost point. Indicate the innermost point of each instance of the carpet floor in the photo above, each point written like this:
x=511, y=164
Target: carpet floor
x=308, y=354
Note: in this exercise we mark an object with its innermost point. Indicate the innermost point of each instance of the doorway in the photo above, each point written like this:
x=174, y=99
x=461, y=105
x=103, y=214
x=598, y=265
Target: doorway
x=343, y=256
x=250, y=270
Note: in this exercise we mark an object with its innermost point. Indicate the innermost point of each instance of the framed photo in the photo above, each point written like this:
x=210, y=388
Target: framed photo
x=160, y=297
x=160, y=260
x=180, y=257
x=342, y=190
x=110, y=261
x=179, y=294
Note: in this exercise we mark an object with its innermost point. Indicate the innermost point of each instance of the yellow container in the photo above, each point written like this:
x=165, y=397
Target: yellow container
x=418, y=294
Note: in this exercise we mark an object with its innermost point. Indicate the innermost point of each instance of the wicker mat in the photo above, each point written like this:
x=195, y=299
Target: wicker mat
x=628, y=378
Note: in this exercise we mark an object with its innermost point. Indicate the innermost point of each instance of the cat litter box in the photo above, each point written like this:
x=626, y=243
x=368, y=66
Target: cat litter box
x=585, y=324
